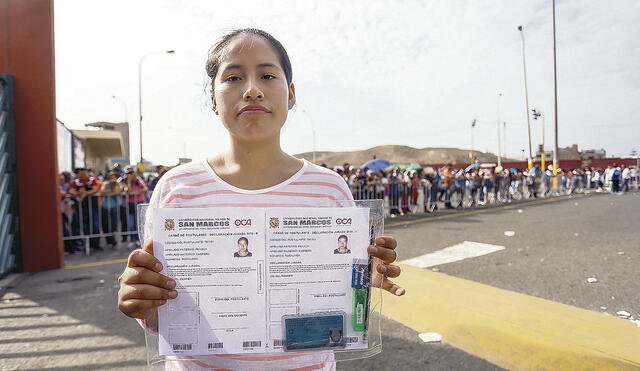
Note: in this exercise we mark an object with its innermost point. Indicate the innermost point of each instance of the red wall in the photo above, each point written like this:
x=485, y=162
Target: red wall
x=27, y=52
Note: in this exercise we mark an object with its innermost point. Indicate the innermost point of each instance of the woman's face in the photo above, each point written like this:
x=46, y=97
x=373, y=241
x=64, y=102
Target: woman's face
x=342, y=243
x=251, y=94
x=243, y=246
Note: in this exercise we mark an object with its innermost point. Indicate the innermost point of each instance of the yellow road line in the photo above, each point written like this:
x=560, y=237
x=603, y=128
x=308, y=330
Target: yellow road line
x=480, y=211
x=512, y=330
x=95, y=264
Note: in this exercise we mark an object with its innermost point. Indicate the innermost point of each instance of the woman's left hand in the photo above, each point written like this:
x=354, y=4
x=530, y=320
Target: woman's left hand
x=384, y=249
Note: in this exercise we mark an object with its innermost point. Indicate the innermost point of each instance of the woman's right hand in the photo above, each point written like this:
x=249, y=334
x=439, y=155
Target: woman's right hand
x=142, y=287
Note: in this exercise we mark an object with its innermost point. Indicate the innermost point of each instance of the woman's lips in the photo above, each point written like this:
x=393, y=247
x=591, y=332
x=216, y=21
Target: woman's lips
x=253, y=109
x=253, y=112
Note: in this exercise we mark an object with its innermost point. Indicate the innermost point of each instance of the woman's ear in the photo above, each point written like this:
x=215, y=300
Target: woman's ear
x=292, y=95
x=214, y=107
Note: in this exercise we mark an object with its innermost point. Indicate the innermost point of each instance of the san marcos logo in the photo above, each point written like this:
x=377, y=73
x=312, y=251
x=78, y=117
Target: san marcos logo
x=274, y=222
x=169, y=224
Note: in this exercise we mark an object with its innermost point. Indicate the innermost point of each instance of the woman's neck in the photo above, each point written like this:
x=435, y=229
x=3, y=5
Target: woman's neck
x=255, y=155
x=255, y=165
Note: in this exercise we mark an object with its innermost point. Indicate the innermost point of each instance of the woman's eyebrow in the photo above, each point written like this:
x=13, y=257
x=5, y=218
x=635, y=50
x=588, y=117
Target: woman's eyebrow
x=239, y=66
x=268, y=65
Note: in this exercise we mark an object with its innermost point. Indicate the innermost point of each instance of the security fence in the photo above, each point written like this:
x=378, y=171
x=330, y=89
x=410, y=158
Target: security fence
x=8, y=187
x=430, y=195
x=100, y=219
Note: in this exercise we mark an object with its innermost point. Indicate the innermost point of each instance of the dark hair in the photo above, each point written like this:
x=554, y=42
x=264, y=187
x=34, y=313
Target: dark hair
x=243, y=239
x=343, y=236
x=217, y=52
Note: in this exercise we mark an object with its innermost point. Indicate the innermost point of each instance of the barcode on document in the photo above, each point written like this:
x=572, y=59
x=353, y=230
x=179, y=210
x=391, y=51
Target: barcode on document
x=351, y=339
x=251, y=344
x=215, y=346
x=181, y=346
x=278, y=343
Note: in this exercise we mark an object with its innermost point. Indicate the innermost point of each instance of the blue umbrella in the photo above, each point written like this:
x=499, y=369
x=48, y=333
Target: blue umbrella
x=471, y=167
x=375, y=165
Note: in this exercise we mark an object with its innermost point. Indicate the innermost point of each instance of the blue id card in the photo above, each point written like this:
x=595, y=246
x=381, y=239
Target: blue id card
x=314, y=331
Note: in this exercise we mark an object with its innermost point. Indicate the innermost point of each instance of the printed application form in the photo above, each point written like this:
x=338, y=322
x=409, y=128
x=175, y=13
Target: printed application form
x=240, y=270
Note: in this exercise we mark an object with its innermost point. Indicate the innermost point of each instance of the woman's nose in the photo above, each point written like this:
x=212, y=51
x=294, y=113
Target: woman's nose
x=253, y=92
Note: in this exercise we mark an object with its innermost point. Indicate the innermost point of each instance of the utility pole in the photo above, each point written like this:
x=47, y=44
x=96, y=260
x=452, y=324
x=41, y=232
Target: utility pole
x=504, y=139
x=141, y=163
x=526, y=97
x=556, y=164
x=499, y=145
x=473, y=125
x=536, y=114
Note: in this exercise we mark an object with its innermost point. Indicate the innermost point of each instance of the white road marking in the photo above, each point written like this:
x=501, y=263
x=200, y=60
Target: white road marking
x=464, y=250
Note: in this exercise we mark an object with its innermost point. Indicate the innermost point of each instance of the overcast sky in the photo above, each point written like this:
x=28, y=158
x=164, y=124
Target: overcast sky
x=367, y=73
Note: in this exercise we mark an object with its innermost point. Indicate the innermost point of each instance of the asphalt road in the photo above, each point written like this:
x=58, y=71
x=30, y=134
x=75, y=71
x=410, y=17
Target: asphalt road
x=557, y=246
x=67, y=319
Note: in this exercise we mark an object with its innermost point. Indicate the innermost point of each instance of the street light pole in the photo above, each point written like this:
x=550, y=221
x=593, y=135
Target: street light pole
x=499, y=145
x=473, y=125
x=555, y=93
x=536, y=114
x=141, y=164
x=313, y=133
x=504, y=139
x=526, y=97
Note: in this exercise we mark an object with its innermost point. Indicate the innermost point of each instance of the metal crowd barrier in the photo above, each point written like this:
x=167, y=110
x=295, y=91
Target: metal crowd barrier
x=107, y=219
x=428, y=197
x=100, y=219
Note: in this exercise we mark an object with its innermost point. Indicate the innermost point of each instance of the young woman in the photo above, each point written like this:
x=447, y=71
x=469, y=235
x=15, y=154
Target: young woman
x=252, y=92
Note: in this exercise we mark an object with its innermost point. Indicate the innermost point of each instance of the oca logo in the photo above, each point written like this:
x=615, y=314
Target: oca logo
x=242, y=222
x=343, y=221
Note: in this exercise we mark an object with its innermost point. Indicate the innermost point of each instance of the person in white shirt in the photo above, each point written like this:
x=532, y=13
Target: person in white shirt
x=626, y=178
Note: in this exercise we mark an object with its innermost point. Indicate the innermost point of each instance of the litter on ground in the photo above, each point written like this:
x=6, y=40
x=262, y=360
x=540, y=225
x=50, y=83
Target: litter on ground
x=430, y=337
x=623, y=314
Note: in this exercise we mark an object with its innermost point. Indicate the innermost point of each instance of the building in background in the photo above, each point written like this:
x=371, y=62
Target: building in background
x=100, y=147
x=573, y=153
x=64, y=144
x=590, y=154
x=123, y=129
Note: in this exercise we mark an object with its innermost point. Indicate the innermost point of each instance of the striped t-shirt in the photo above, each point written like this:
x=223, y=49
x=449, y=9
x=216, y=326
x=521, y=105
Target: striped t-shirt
x=196, y=185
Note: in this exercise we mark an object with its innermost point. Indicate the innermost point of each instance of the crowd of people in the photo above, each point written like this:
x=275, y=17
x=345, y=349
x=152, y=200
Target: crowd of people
x=96, y=205
x=103, y=205
x=409, y=191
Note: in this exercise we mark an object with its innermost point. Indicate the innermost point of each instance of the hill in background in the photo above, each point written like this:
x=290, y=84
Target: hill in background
x=398, y=153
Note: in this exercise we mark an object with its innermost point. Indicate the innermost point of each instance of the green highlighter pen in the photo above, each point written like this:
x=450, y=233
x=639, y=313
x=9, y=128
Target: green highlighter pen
x=359, y=317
